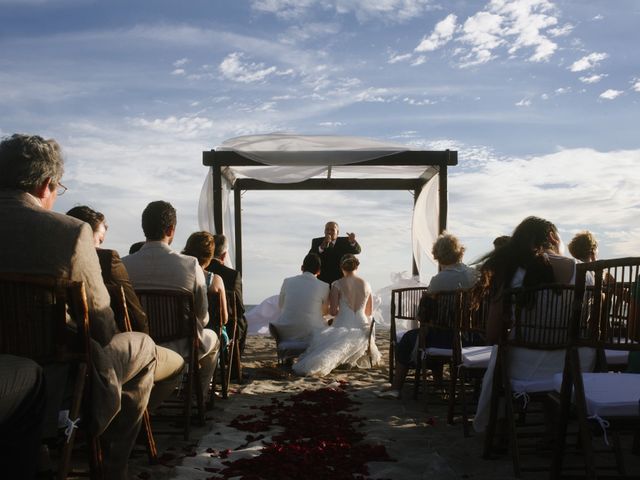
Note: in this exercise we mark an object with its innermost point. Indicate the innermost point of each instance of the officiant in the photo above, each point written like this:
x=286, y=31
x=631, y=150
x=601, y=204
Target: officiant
x=331, y=248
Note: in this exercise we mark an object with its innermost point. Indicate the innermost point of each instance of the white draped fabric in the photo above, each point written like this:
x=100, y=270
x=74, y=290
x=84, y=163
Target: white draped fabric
x=287, y=158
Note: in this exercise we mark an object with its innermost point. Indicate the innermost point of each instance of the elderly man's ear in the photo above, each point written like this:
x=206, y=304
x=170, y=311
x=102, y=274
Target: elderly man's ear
x=46, y=194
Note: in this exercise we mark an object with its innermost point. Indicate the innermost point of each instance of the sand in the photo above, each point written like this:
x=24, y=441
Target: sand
x=415, y=435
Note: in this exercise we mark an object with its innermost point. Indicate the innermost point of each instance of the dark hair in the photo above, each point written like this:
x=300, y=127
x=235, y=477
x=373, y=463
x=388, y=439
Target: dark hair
x=157, y=217
x=135, y=247
x=201, y=246
x=349, y=262
x=583, y=245
x=27, y=161
x=524, y=250
x=87, y=215
x=501, y=241
x=221, y=245
x=312, y=263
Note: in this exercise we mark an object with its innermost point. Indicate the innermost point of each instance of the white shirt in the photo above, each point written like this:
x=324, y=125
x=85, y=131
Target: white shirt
x=301, y=300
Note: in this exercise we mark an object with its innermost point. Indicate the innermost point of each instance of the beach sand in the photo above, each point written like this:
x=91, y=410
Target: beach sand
x=415, y=435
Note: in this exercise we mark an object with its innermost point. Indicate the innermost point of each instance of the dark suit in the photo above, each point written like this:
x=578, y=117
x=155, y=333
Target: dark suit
x=331, y=256
x=115, y=274
x=232, y=283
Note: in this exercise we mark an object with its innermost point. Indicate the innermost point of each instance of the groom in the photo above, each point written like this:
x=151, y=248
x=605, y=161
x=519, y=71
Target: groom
x=331, y=248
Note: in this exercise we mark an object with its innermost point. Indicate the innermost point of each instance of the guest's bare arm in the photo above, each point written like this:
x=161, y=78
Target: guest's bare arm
x=217, y=286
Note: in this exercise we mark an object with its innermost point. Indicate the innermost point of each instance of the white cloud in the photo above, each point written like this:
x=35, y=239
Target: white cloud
x=598, y=17
x=419, y=103
x=588, y=61
x=442, y=33
x=178, y=71
x=419, y=61
x=483, y=31
x=372, y=94
x=184, y=127
x=562, y=90
x=331, y=124
x=611, y=94
x=550, y=186
x=636, y=84
x=234, y=69
x=181, y=62
x=593, y=78
x=390, y=10
x=525, y=102
x=561, y=31
x=399, y=57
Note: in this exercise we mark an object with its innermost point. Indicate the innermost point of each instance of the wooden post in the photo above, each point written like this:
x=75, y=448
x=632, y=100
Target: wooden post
x=217, y=198
x=442, y=196
x=237, y=214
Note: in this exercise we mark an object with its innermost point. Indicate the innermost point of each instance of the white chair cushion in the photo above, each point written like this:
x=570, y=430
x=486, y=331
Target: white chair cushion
x=476, y=357
x=532, y=386
x=617, y=357
x=439, y=352
x=609, y=394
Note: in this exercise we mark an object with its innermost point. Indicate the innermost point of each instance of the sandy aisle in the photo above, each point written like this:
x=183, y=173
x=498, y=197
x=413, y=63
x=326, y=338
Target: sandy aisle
x=416, y=437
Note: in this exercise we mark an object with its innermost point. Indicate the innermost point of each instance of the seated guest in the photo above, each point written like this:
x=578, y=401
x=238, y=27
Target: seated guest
x=232, y=283
x=22, y=402
x=303, y=301
x=201, y=245
x=114, y=274
x=453, y=275
x=135, y=247
x=157, y=265
x=35, y=240
x=584, y=247
x=532, y=257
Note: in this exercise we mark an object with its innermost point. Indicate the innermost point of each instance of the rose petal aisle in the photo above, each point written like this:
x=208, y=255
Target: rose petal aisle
x=316, y=436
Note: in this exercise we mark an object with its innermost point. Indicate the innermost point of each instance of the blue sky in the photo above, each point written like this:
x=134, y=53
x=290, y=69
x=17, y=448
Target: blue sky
x=540, y=98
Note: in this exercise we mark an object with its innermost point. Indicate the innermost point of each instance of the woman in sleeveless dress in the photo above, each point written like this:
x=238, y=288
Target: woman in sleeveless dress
x=347, y=340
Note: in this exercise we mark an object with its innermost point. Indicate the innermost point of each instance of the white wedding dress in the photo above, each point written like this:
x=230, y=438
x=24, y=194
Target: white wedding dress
x=347, y=340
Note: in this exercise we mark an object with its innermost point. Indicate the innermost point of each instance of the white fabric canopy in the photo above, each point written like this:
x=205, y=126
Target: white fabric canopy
x=288, y=158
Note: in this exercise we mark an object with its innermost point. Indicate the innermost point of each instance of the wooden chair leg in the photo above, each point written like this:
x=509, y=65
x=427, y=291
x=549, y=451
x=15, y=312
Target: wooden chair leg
x=197, y=380
x=152, y=450
x=392, y=365
x=493, y=409
x=187, y=401
x=74, y=413
x=453, y=379
x=238, y=362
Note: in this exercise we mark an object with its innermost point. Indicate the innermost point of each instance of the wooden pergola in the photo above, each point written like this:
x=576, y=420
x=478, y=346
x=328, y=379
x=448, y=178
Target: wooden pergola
x=222, y=163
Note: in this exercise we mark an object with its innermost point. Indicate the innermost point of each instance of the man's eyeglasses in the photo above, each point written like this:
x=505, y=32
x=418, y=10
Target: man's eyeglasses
x=60, y=189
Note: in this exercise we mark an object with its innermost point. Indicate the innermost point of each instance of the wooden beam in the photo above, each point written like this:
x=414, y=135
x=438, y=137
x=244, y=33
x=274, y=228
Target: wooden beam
x=442, y=197
x=334, y=184
x=410, y=157
x=217, y=198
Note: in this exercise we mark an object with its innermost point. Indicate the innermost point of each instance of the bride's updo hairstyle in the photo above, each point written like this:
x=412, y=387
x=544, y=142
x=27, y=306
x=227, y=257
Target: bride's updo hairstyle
x=349, y=262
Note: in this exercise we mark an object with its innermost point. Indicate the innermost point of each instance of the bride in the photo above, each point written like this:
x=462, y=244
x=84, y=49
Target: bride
x=347, y=340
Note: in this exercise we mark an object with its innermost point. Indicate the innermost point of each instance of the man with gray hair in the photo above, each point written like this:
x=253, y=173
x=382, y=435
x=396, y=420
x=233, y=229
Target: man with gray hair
x=232, y=283
x=35, y=240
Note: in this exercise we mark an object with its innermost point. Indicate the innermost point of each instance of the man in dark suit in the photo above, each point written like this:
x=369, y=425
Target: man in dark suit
x=331, y=248
x=232, y=283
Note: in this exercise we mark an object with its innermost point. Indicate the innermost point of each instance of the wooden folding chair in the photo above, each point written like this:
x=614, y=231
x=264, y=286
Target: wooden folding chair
x=286, y=350
x=404, y=306
x=121, y=314
x=538, y=337
x=33, y=324
x=222, y=367
x=603, y=401
x=171, y=317
x=471, y=354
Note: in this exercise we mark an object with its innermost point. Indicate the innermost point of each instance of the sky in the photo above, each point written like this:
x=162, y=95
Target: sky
x=540, y=98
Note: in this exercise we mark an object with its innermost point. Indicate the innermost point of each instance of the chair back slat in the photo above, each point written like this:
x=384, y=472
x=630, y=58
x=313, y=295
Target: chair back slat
x=37, y=315
x=614, y=301
x=405, y=301
x=542, y=316
x=170, y=314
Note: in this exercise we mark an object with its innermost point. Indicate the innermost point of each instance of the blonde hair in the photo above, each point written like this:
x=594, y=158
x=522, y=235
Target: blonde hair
x=447, y=249
x=582, y=245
